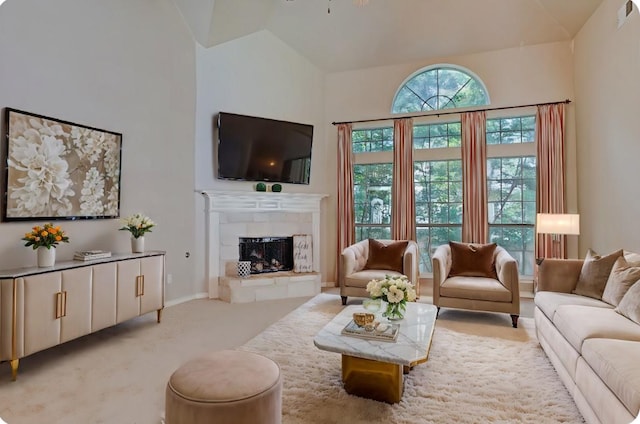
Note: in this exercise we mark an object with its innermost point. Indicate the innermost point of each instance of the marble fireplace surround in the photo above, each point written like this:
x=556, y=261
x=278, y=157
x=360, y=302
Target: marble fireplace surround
x=259, y=214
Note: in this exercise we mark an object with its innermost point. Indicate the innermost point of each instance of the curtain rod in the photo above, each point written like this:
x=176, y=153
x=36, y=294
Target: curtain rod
x=438, y=114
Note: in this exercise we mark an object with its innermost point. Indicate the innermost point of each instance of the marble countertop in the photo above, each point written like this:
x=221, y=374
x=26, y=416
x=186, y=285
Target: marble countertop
x=62, y=265
x=411, y=347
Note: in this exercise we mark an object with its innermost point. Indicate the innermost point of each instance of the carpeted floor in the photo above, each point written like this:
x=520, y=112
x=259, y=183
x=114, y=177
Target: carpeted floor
x=480, y=370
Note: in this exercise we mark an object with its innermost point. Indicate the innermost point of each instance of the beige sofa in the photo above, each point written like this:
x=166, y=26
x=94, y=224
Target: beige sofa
x=354, y=274
x=474, y=292
x=594, y=349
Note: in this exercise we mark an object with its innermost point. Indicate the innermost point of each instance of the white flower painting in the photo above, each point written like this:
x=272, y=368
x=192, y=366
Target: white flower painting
x=60, y=169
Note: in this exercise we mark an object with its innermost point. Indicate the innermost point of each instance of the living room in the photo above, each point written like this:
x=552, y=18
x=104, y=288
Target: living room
x=140, y=69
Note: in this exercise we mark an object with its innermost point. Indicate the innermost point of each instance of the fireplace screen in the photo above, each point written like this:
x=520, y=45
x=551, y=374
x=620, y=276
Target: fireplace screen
x=267, y=254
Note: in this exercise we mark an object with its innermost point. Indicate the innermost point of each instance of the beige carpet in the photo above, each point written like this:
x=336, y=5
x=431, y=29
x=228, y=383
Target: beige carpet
x=480, y=370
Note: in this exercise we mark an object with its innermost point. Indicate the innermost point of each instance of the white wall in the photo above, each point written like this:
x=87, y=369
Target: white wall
x=125, y=66
x=256, y=75
x=607, y=85
x=537, y=74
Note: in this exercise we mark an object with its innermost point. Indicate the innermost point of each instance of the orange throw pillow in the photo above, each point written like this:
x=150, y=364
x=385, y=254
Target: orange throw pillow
x=473, y=260
x=389, y=256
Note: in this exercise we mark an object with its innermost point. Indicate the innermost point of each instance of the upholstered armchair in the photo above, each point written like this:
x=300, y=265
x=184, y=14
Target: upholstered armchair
x=476, y=277
x=374, y=259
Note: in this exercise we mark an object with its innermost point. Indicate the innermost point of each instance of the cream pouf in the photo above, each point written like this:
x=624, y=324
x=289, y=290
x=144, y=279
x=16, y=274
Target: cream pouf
x=225, y=387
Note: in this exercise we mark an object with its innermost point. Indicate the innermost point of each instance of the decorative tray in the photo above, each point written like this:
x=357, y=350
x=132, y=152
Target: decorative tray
x=387, y=332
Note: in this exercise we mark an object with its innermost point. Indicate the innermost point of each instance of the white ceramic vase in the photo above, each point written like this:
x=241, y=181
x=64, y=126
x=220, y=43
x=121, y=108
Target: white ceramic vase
x=137, y=244
x=46, y=257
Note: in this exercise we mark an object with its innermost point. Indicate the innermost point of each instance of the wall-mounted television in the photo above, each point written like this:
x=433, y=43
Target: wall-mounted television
x=260, y=149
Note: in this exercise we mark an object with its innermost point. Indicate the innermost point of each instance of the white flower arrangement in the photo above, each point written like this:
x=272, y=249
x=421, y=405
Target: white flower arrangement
x=137, y=224
x=396, y=291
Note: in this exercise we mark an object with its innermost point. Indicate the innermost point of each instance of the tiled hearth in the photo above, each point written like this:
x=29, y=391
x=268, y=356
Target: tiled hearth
x=230, y=215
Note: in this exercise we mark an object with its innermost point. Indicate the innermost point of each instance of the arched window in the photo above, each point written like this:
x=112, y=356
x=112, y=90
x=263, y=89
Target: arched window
x=439, y=87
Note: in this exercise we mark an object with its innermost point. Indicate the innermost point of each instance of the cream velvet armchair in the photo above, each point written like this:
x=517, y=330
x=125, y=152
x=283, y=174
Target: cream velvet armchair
x=354, y=274
x=475, y=292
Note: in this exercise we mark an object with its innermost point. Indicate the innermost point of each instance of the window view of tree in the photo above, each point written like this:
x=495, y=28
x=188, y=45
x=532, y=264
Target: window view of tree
x=511, y=189
x=439, y=88
x=438, y=191
x=511, y=130
x=373, y=140
x=437, y=135
x=372, y=198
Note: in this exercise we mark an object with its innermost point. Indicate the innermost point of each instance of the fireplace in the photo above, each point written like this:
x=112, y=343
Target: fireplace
x=267, y=254
x=233, y=214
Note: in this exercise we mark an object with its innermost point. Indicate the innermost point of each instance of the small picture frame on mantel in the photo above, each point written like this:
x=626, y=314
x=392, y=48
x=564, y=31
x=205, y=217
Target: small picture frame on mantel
x=302, y=253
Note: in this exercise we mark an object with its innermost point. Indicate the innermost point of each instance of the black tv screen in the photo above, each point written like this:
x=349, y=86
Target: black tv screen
x=260, y=149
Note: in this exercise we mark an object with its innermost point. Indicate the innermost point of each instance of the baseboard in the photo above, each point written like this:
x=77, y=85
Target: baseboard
x=184, y=299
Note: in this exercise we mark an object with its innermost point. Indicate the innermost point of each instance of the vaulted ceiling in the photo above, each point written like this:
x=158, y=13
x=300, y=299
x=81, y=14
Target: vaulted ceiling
x=385, y=32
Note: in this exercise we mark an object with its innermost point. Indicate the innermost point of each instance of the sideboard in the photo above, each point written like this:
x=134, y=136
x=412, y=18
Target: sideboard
x=44, y=307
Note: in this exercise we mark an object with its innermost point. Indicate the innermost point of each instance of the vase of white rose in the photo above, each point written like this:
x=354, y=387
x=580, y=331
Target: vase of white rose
x=396, y=291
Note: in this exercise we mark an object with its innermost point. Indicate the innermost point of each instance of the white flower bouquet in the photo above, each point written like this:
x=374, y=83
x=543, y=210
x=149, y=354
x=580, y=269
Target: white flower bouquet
x=137, y=224
x=396, y=291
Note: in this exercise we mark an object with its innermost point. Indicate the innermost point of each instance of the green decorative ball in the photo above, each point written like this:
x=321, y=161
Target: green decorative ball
x=276, y=188
x=261, y=187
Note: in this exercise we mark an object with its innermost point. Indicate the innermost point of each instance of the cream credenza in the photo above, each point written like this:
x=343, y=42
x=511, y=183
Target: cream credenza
x=44, y=307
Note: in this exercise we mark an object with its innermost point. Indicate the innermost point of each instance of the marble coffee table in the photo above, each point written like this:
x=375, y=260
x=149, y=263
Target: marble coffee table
x=374, y=369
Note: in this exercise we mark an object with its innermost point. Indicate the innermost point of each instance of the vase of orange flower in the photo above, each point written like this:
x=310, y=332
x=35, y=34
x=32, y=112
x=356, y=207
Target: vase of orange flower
x=44, y=241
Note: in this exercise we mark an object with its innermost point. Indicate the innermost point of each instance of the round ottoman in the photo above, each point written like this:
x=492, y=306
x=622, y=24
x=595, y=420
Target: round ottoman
x=225, y=387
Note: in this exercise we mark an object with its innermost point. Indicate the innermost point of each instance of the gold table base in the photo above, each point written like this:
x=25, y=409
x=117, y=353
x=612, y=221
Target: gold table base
x=371, y=379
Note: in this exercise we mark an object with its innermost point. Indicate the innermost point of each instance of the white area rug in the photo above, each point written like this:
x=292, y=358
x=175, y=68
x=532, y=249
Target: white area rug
x=480, y=370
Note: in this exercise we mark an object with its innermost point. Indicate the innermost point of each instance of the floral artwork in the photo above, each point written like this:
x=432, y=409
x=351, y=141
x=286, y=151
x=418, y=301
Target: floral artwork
x=57, y=169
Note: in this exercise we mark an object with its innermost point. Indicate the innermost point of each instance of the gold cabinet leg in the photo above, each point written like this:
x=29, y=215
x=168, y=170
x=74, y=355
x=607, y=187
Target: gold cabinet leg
x=14, y=369
x=159, y=315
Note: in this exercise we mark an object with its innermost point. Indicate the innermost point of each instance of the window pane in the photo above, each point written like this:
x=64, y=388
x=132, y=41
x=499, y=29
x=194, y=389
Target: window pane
x=511, y=130
x=438, y=194
x=511, y=207
x=372, y=193
x=433, y=136
x=372, y=140
x=439, y=88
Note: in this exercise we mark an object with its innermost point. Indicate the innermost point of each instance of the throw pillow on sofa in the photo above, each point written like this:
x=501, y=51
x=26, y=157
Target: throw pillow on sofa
x=630, y=304
x=595, y=273
x=623, y=275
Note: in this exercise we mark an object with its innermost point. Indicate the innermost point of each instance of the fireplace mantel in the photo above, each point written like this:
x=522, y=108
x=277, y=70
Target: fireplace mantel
x=221, y=202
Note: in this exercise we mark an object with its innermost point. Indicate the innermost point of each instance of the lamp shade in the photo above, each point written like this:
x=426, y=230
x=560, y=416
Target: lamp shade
x=558, y=223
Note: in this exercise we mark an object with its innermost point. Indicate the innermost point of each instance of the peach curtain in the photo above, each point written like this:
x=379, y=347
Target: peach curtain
x=346, y=220
x=475, y=225
x=550, y=171
x=403, y=208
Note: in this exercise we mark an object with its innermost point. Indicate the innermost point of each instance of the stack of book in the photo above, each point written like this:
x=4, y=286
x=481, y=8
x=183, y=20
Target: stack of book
x=89, y=255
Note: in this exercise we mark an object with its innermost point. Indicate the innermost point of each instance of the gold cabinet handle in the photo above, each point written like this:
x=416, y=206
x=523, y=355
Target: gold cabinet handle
x=58, y=305
x=61, y=304
x=139, y=285
x=64, y=303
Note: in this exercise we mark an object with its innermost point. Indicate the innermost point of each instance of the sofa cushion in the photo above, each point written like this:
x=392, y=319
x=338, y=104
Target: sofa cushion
x=548, y=301
x=386, y=256
x=477, y=288
x=473, y=260
x=629, y=306
x=622, y=276
x=616, y=363
x=578, y=323
x=361, y=278
x=595, y=273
